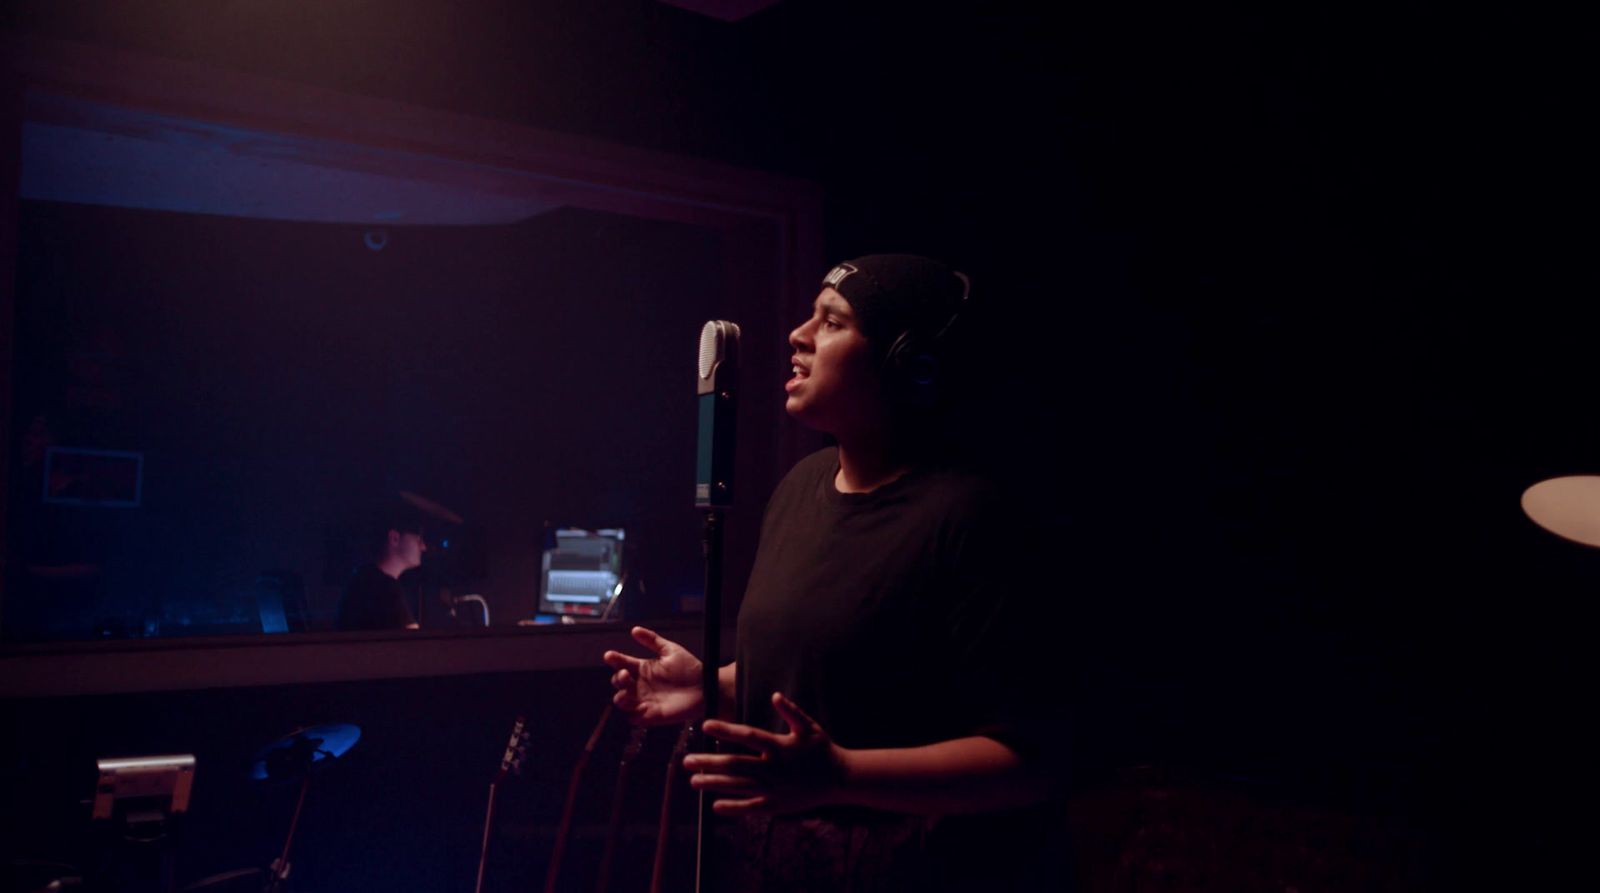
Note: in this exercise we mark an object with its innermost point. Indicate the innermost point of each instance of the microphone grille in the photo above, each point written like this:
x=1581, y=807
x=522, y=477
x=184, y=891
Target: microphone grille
x=714, y=338
x=710, y=346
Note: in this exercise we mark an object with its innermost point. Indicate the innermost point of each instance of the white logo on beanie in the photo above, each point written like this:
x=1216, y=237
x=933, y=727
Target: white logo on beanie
x=839, y=274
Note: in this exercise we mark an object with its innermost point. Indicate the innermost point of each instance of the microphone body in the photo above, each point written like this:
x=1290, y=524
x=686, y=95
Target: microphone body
x=717, y=392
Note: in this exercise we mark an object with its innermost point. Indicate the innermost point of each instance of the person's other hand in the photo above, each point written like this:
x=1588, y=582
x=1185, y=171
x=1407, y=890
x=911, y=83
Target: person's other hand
x=659, y=690
x=798, y=770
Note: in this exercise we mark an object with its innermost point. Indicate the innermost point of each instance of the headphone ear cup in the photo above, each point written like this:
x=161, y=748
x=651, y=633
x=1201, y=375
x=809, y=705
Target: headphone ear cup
x=922, y=370
x=911, y=367
x=922, y=377
x=912, y=371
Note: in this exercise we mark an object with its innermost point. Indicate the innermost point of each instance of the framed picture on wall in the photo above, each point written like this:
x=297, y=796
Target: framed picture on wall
x=99, y=478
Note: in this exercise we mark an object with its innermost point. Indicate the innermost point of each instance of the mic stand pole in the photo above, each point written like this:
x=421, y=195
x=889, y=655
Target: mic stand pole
x=711, y=690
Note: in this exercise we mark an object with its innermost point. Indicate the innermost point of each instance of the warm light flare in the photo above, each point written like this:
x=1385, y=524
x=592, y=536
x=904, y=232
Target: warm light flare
x=1568, y=507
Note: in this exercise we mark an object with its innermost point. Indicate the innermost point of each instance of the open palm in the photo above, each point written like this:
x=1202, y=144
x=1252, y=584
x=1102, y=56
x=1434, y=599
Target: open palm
x=659, y=690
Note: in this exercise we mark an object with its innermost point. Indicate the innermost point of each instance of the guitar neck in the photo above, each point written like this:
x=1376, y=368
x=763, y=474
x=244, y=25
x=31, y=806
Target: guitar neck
x=510, y=762
x=483, y=852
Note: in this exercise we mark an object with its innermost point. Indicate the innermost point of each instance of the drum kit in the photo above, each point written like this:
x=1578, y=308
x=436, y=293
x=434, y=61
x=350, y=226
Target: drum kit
x=138, y=808
x=296, y=757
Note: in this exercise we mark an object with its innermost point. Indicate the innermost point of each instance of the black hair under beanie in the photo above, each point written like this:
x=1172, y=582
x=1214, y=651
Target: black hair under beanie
x=893, y=293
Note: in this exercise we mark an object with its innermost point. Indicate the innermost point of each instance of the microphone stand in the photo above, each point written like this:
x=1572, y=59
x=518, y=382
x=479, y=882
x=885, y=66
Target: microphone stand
x=711, y=690
x=715, y=391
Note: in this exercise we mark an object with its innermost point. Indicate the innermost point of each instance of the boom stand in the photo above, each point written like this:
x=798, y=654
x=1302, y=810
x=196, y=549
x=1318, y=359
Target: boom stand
x=711, y=691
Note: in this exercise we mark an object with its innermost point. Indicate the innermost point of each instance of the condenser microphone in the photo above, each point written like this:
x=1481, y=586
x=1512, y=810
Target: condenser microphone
x=717, y=391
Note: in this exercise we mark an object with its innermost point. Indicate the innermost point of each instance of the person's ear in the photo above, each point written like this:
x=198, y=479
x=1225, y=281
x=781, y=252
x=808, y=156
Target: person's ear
x=394, y=538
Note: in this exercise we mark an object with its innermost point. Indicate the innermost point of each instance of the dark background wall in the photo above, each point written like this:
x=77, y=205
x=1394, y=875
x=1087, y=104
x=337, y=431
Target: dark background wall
x=1292, y=305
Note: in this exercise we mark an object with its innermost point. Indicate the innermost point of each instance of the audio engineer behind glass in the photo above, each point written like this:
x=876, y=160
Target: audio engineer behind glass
x=888, y=732
x=374, y=598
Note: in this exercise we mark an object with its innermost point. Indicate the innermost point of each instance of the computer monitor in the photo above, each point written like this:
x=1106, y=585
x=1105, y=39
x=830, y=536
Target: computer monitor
x=581, y=573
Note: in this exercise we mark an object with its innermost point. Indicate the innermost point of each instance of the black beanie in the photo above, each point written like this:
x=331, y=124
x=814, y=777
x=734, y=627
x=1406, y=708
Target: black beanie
x=893, y=293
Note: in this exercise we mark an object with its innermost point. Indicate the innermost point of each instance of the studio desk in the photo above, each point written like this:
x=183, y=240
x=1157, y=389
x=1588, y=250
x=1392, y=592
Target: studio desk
x=239, y=661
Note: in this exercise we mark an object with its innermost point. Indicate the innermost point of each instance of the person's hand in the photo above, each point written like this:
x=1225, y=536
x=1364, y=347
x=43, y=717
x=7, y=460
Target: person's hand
x=660, y=690
x=798, y=770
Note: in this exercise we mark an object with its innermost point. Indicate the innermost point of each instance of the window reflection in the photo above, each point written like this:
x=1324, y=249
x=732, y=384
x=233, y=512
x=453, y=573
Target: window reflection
x=208, y=407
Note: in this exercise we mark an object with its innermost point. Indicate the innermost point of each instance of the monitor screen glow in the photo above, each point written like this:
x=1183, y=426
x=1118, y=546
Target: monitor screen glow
x=581, y=573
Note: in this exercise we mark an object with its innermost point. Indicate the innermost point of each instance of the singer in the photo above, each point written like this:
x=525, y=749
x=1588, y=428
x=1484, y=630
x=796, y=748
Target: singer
x=884, y=739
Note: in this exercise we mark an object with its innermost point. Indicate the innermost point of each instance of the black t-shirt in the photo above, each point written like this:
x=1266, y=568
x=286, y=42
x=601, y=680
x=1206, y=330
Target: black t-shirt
x=373, y=600
x=898, y=618
x=889, y=616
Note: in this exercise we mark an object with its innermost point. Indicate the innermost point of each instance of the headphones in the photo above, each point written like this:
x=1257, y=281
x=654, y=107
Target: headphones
x=911, y=368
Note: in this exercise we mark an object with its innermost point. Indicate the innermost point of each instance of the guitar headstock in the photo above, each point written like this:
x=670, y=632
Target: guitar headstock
x=516, y=749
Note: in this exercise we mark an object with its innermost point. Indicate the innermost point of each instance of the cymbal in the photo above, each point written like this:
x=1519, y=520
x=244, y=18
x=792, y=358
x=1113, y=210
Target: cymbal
x=302, y=750
x=430, y=508
x=1568, y=507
